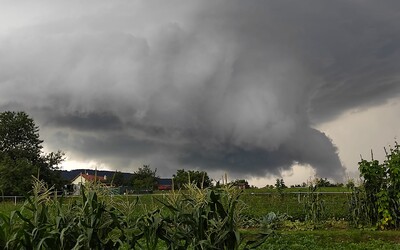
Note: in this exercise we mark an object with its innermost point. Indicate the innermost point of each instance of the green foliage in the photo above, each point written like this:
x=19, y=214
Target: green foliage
x=350, y=184
x=21, y=155
x=323, y=182
x=199, y=178
x=16, y=176
x=144, y=178
x=333, y=239
x=19, y=136
x=196, y=219
x=293, y=204
x=280, y=184
x=382, y=189
x=118, y=179
x=206, y=219
x=274, y=220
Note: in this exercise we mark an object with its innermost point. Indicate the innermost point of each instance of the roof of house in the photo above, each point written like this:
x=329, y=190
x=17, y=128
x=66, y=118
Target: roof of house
x=72, y=174
x=89, y=177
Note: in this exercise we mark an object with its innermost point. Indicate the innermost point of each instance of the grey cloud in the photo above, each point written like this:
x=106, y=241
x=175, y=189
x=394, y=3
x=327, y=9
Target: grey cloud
x=226, y=85
x=306, y=146
x=86, y=121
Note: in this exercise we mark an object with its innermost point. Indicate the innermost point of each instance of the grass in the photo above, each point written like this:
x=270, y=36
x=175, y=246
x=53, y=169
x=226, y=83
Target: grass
x=334, y=239
x=293, y=204
x=6, y=207
x=297, y=189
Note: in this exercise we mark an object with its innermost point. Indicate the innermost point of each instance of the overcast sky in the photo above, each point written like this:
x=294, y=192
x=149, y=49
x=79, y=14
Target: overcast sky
x=251, y=88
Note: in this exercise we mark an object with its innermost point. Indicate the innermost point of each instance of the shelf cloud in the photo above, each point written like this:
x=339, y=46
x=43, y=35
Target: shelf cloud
x=234, y=86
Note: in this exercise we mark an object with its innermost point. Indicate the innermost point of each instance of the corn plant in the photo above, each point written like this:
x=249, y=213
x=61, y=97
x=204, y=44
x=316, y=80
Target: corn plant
x=359, y=214
x=127, y=233
x=153, y=229
x=94, y=223
x=314, y=205
x=44, y=222
x=40, y=223
x=204, y=219
x=195, y=219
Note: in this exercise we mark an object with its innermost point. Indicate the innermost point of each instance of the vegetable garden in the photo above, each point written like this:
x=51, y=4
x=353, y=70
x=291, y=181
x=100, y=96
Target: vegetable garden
x=364, y=217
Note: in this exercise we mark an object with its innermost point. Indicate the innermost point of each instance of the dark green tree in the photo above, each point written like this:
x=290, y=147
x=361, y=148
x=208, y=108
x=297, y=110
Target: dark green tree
x=280, y=184
x=118, y=179
x=323, y=182
x=19, y=136
x=21, y=155
x=200, y=178
x=144, y=178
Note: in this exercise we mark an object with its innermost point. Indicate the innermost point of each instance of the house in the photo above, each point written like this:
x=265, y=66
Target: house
x=83, y=179
x=243, y=185
x=164, y=183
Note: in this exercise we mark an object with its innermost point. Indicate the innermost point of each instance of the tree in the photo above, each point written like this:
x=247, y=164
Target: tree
x=199, y=178
x=144, y=178
x=280, y=184
x=118, y=179
x=323, y=182
x=19, y=136
x=21, y=155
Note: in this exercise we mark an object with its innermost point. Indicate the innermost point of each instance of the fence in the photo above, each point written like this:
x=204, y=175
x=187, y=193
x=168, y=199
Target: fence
x=19, y=198
x=13, y=199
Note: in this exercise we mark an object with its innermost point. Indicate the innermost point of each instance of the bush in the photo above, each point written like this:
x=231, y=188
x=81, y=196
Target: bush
x=381, y=184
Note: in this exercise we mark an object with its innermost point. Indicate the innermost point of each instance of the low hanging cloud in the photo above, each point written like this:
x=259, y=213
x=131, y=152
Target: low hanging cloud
x=225, y=86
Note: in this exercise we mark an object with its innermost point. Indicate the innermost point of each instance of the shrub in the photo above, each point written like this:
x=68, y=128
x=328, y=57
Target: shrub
x=382, y=189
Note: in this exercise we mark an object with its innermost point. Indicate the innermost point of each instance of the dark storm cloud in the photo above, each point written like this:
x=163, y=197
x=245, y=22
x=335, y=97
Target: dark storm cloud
x=222, y=85
x=86, y=121
x=307, y=146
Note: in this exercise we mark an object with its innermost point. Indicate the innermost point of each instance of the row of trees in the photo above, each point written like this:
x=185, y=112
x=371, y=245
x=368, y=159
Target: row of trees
x=146, y=179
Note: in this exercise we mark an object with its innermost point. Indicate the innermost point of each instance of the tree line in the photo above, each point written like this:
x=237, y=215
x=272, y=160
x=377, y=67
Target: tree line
x=146, y=178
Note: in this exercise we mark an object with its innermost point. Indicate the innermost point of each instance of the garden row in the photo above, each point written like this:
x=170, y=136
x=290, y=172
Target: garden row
x=194, y=219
